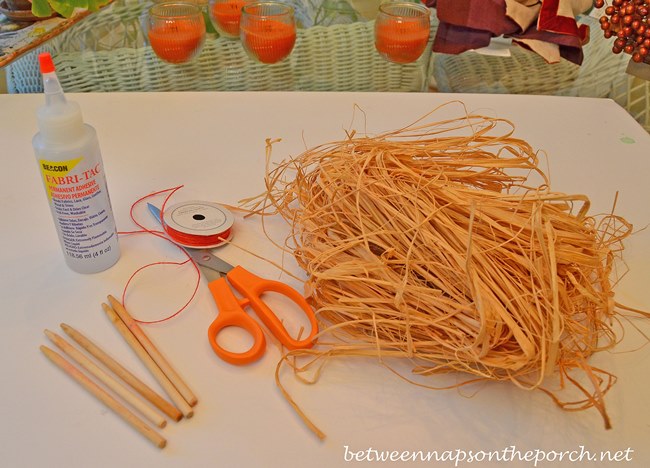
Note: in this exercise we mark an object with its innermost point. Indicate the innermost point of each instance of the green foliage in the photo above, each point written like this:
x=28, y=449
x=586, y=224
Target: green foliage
x=65, y=8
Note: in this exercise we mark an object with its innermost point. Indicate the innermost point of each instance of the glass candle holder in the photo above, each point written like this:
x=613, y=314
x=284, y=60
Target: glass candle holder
x=176, y=31
x=268, y=31
x=225, y=16
x=402, y=31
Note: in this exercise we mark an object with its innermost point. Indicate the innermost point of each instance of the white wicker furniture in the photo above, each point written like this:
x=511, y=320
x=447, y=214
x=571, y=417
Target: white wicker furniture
x=602, y=74
x=108, y=52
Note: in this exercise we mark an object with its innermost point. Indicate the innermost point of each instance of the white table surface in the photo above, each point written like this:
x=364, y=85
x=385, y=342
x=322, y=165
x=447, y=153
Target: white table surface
x=214, y=144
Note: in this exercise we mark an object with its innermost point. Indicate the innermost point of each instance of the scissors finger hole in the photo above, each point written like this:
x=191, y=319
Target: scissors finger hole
x=293, y=318
x=235, y=339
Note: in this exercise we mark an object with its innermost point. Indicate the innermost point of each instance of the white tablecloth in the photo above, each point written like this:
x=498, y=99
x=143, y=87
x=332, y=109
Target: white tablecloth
x=214, y=144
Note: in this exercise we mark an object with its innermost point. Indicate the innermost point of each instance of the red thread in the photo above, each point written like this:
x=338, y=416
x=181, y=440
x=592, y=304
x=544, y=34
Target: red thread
x=195, y=241
x=160, y=234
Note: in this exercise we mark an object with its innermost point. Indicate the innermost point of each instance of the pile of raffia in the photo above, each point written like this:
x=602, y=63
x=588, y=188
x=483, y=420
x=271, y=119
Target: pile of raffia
x=428, y=243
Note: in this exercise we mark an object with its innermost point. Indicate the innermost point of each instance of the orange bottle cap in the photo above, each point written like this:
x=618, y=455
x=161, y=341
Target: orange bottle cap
x=45, y=62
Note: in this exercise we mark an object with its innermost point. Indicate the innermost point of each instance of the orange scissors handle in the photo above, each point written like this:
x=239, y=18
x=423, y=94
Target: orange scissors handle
x=252, y=287
x=231, y=314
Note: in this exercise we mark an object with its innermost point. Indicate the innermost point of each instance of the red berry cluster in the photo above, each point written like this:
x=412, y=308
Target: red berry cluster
x=628, y=21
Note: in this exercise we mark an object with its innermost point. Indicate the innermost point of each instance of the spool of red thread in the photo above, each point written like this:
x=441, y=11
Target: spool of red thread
x=198, y=224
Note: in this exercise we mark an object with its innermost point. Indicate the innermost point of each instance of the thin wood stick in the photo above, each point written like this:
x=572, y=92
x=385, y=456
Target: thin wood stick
x=158, y=374
x=106, y=379
x=153, y=351
x=104, y=397
x=123, y=373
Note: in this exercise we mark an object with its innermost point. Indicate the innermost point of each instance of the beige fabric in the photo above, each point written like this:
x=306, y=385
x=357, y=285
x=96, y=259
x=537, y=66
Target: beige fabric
x=548, y=51
x=577, y=6
x=523, y=12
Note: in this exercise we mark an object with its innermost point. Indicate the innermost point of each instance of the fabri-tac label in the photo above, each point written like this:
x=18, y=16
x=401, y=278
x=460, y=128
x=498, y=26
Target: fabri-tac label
x=79, y=201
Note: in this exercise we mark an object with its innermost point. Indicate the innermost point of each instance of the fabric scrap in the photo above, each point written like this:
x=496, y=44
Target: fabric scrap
x=547, y=27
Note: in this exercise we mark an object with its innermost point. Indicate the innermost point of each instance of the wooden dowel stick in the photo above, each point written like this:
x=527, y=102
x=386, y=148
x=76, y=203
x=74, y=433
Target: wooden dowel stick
x=153, y=351
x=162, y=379
x=104, y=397
x=123, y=373
x=106, y=379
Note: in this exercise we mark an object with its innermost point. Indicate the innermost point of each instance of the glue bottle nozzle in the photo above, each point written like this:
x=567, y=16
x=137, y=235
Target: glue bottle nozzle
x=59, y=120
x=53, y=91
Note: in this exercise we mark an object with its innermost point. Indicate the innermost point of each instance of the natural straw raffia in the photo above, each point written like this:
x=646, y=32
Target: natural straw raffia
x=428, y=243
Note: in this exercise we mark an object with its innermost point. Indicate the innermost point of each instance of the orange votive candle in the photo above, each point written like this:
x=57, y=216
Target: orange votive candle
x=177, y=41
x=402, y=41
x=269, y=40
x=227, y=16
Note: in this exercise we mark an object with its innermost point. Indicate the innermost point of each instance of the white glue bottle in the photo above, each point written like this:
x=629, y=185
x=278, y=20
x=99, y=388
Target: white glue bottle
x=70, y=162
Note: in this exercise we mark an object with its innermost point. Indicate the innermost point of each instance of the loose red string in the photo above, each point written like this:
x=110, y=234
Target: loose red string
x=160, y=234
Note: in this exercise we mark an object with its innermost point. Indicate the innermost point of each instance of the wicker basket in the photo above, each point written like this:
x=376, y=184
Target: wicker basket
x=108, y=52
x=527, y=73
x=601, y=75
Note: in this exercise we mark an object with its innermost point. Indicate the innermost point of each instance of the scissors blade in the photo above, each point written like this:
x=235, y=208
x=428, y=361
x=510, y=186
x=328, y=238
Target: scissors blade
x=155, y=211
x=207, y=259
x=202, y=257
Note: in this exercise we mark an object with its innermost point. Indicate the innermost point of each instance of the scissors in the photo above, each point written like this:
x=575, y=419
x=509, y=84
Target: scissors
x=231, y=308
